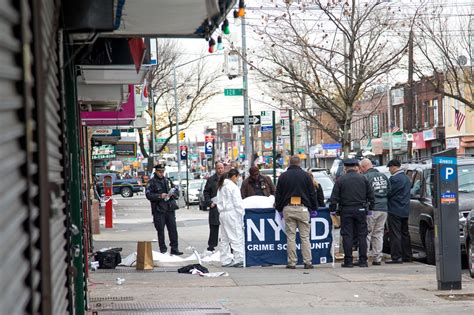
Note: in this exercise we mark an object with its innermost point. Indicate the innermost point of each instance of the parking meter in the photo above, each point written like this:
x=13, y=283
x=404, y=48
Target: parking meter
x=108, y=204
x=446, y=220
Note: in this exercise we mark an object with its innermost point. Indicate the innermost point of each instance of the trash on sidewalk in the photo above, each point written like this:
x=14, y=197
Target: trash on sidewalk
x=94, y=265
x=108, y=258
x=119, y=281
x=190, y=268
x=144, y=256
x=215, y=274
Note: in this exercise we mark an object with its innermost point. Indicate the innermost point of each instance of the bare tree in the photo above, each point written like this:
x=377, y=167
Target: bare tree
x=333, y=52
x=195, y=87
x=445, y=43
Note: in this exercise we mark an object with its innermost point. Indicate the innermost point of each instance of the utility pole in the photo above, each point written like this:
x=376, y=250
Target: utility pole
x=176, y=110
x=389, y=112
x=409, y=127
x=248, y=144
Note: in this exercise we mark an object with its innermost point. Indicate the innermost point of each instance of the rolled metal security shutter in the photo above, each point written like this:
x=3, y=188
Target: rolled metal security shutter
x=55, y=244
x=18, y=274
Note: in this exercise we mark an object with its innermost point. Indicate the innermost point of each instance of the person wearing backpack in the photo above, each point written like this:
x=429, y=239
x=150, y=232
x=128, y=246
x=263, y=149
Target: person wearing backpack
x=162, y=195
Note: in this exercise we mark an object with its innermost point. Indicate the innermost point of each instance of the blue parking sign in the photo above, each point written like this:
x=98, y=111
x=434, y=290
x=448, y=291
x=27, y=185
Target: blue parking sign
x=448, y=173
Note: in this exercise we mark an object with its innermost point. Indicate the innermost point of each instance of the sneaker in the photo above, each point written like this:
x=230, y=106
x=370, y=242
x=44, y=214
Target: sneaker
x=347, y=265
x=376, y=263
x=238, y=265
x=176, y=252
x=308, y=266
x=363, y=264
x=290, y=267
x=396, y=261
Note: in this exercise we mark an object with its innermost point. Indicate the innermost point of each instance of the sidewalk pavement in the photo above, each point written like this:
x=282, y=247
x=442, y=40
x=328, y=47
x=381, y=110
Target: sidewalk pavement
x=408, y=288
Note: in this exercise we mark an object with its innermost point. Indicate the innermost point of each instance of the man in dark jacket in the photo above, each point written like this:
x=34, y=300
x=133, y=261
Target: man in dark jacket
x=398, y=210
x=353, y=194
x=257, y=184
x=162, y=194
x=376, y=222
x=295, y=196
x=210, y=191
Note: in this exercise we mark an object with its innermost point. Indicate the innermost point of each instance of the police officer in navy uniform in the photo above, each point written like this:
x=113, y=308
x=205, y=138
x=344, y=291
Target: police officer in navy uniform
x=163, y=206
x=353, y=197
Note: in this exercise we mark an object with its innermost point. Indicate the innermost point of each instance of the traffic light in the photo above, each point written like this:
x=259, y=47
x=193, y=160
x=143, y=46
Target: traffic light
x=182, y=135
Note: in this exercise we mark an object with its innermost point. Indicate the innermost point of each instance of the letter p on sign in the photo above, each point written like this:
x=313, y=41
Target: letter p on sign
x=448, y=173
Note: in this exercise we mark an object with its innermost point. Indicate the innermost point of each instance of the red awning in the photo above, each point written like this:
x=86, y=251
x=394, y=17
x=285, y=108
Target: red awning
x=419, y=143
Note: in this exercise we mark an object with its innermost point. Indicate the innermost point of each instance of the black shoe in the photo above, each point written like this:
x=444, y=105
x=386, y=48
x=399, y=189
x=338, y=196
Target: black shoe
x=211, y=249
x=308, y=266
x=290, y=267
x=163, y=251
x=408, y=260
x=376, y=263
x=396, y=261
x=363, y=264
x=176, y=252
x=344, y=265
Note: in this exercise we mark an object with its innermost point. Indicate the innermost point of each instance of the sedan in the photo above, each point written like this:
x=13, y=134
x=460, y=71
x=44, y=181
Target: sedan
x=191, y=194
x=326, y=183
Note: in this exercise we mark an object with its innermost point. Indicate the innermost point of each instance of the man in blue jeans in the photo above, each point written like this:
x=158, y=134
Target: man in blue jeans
x=398, y=211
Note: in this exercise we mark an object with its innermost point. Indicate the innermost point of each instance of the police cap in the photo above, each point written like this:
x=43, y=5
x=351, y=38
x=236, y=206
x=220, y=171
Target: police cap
x=159, y=167
x=350, y=162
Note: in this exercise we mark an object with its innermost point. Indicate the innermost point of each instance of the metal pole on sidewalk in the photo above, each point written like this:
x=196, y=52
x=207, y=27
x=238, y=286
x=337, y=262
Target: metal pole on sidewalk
x=274, y=146
x=176, y=109
x=389, y=109
x=292, y=144
x=248, y=144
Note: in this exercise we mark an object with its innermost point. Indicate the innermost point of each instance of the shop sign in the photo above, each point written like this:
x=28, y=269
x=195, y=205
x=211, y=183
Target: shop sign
x=429, y=134
x=452, y=143
x=398, y=96
x=399, y=141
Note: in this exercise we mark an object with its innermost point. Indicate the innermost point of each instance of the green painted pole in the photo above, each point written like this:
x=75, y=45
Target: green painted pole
x=74, y=184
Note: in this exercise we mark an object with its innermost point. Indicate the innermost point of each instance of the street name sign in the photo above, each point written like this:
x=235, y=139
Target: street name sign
x=233, y=92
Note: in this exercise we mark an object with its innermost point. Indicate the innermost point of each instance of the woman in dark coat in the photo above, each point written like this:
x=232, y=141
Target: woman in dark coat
x=319, y=191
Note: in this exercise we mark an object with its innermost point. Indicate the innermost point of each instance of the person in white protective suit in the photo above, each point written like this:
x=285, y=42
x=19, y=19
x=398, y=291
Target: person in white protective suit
x=231, y=213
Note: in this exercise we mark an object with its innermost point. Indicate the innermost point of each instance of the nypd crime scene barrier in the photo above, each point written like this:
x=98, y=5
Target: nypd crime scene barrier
x=265, y=239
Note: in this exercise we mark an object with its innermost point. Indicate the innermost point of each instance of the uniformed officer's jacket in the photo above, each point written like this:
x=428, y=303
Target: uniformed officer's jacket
x=295, y=183
x=352, y=191
x=381, y=187
x=157, y=186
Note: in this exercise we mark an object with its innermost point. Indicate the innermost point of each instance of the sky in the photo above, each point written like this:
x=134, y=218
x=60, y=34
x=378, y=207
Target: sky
x=221, y=108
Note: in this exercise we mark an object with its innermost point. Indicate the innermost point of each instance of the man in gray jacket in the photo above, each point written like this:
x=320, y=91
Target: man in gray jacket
x=376, y=222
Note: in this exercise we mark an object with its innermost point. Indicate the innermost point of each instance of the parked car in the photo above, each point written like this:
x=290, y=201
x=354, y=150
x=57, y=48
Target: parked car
x=269, y=172
x=124, y=187
x=192, y=191
x=421, y=218
x=469, y=232
x=326, y=183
